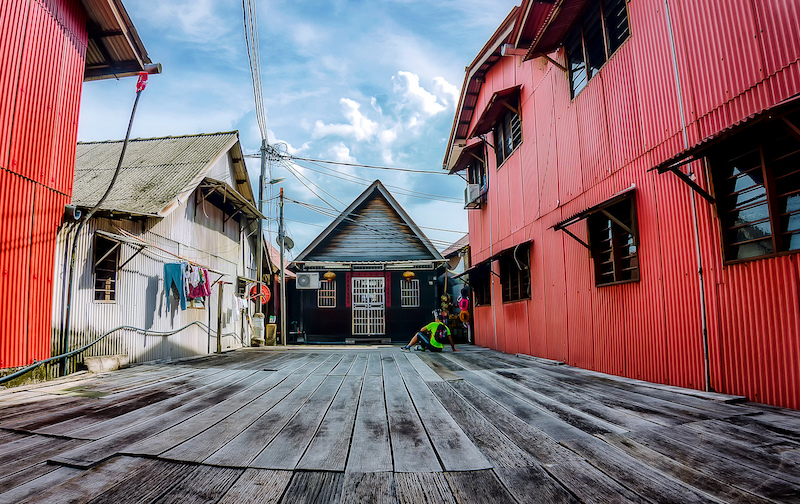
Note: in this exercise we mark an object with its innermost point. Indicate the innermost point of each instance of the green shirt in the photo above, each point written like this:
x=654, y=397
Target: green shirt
x=433, y=327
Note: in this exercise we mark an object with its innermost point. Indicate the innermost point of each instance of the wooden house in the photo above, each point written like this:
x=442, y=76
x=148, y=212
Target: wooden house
x=634, y=171
x=48, y=49
x=370, y=275
x=177, y=199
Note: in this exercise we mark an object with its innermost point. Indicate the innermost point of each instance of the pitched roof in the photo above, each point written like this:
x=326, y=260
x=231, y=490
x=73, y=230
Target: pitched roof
x=157, y=173
x=373, y=228
x=456, y=247
x=113, y=48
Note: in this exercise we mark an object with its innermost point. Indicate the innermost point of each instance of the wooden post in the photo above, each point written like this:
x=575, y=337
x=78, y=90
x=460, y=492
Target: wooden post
x=219, y=318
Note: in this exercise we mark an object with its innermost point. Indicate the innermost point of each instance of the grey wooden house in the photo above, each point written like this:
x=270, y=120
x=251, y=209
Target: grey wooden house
x=185, y=198
x=370, y=275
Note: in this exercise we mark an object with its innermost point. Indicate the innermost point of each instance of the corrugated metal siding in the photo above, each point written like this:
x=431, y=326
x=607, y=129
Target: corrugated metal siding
x=13, y=18
x=141, y=301
x=16, y=210
x=42, y=46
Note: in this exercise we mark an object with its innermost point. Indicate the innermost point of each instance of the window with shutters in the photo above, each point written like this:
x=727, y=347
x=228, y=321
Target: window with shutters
x=106, y=263
x=507, y=136
x=600, y=31
x=515, y=273
x=614, y=243
x=756, y=178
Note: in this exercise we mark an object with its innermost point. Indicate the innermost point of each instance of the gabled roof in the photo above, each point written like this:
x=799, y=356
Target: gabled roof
x=456, y=247
x=158, y=174
x=114, y=49
x=373, y=228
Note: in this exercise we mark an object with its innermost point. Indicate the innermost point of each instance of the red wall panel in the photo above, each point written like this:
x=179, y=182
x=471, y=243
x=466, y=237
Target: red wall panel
x=16, y=212
x=778, y=21
x=42, y=47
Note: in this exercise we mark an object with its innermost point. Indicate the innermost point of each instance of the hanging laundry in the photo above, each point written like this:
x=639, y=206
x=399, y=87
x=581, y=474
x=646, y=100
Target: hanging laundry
x=174, y=277
x=202, y=288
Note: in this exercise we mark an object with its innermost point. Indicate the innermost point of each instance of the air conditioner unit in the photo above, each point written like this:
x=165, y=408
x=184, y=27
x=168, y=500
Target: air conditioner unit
x=307, y=280
x=472, y=196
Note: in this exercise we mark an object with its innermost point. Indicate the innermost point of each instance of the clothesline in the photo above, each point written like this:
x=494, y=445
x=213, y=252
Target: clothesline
x=145, y=242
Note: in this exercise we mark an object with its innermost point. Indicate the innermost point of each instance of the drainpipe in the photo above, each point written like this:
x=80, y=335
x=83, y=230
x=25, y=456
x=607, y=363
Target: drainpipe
x=65, y=328
x=698, y=254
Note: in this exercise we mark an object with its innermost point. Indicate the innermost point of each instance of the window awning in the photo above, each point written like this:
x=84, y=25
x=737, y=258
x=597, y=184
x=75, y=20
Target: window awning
x=505, y=99
x=554, y=27
x=508, y=249
x=466, y=155
x=480, y=270
x=562, y=226
x=699, y=150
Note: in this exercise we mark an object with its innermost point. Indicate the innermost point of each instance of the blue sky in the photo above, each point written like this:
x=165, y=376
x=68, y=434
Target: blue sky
x=367, y=82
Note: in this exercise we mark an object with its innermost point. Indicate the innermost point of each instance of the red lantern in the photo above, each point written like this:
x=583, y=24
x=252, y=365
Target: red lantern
x=265, y=293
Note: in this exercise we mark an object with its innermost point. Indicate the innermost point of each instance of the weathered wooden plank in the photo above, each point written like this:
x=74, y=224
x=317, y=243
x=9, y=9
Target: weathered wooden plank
x=34, y=454
x=446, y=372
x=344, y=364
x=411, y=449
x=370, y=450
x=643, y=480
x=179, y=433
x=720, y=485
x=583, y=421
x=41, y=406
x=145, y=484
x=717, y=466
x=15, y=449
x=329, y=364
x=374, y=364
x=204, y=444
x=84, y=416
x=478, y=486
x=455, y=450
x=368, y=488
x=22, y=475
x=498, y=448
x=316, y=487
x=204, y=484
x=590, y=485
x=114, y=425
x=331, y=443
x=241, y=450
x=288, y=446
x=423, y=488
x=422, y=369
x=552, y=393
x=541, y=446
x=88, y=484
x=533, y=485
x=38, y=485
x=258, y=485
x=101, y=449
x=521, y=409
x=359, y=367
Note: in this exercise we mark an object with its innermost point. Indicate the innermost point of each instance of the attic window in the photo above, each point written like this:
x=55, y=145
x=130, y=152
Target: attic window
x=106, y=263
x=590, y=43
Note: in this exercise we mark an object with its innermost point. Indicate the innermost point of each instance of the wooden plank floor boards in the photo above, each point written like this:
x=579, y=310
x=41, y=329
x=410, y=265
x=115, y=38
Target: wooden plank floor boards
x=351, y=425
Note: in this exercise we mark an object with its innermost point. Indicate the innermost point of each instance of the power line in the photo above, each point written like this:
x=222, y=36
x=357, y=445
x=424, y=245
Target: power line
x=254, y=60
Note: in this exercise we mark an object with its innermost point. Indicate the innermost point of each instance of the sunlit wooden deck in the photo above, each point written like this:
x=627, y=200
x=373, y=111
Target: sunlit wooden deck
x=379, y=425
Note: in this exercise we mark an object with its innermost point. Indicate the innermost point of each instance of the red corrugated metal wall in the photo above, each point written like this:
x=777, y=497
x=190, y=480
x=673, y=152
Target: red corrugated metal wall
x=43, y=48
x=733, y=60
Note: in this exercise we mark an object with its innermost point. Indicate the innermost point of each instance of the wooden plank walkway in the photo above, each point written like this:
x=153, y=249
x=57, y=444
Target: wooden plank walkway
x=375, y=425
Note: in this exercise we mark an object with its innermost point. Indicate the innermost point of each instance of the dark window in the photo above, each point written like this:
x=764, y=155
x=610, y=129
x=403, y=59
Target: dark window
x=476, y=172
x=507, y=136
x=756, y=178
x=106, y=262
x=480, y=280
x=515, y=273
x=614, y=243
x=601, y=31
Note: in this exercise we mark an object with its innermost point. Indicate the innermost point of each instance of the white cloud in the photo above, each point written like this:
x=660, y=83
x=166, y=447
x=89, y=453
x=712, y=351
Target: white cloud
x=359, y=126
x=446, y=91
x=407, y=84
x=340, y=152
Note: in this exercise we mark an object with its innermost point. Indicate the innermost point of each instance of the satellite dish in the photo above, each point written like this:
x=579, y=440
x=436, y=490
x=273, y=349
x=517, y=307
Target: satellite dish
x=288, y=243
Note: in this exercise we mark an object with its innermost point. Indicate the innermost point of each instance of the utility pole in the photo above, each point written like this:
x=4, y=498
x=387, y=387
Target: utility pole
x=281, y=231
x=260, y=237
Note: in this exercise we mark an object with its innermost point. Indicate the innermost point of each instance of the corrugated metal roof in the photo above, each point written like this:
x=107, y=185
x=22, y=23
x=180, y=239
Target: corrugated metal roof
x=114, y=48
x=456, y=247
x=157, y=173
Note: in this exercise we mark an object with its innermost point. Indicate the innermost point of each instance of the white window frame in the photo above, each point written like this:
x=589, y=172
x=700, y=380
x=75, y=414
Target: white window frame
x=326, y=294
x=409, y=293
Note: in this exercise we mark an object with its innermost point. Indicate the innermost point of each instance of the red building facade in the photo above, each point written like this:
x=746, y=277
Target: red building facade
x=47, y=48
x=633, y=170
